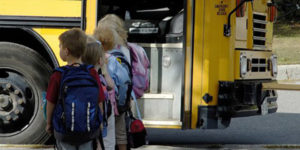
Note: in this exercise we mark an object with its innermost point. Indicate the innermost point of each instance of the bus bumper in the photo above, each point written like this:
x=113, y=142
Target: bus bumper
x=237, y=99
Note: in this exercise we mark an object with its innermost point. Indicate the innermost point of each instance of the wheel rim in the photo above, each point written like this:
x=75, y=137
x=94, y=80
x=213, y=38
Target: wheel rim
x=17, y=102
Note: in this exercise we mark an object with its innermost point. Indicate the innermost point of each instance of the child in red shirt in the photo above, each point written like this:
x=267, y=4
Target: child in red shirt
x=72, y=46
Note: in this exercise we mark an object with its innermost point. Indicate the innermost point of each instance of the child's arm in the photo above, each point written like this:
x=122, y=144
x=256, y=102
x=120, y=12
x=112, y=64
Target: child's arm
x=108, y=79
x=101, y=93
x=50, y=109
x=52, y=96
x=101, y=107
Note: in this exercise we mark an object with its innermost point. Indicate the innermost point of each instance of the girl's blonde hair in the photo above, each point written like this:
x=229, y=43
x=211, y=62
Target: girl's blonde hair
x=113, y=31
x=106, y=36
x=93, y=52
x=117, y=23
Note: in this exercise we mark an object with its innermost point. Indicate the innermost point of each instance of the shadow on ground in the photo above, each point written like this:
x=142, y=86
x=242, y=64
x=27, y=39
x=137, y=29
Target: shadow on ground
x=279, y=128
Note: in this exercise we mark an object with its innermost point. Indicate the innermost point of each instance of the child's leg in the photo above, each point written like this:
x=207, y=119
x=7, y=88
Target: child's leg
x=64, y=146
x=86, y=146
x=121, y=134
x=99, y=146
x=110, y=139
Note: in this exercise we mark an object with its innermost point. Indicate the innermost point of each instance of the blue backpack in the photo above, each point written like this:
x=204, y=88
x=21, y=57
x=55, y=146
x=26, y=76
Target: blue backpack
x=120, y=71
x=77, y=116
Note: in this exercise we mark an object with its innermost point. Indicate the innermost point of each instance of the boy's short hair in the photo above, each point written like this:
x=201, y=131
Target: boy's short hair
x=75, y=41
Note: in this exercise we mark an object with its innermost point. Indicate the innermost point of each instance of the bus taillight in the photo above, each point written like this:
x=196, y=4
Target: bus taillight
x=241, y=11
x=272, y=12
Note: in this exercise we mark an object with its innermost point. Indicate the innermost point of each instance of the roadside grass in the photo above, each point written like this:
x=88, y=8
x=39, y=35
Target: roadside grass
x=286, y=43
x=287, y=30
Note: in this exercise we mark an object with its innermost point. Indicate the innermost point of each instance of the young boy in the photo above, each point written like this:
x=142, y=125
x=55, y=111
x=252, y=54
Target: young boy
x=72, y=47
x=94, y=55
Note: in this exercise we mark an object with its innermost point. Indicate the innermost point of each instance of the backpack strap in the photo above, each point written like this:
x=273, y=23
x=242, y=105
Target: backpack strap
x=121, y=56
x=136, y=105
x=64, y=68
x=60, y=94
x=88, y=67
x=60, y=69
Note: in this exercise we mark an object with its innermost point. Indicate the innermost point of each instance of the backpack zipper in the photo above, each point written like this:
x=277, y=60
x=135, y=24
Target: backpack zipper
x=73, y=116
x=88, y=117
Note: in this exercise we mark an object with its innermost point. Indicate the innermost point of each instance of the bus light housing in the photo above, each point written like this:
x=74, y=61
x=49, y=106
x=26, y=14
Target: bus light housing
x=243, y=65
x=273, y=65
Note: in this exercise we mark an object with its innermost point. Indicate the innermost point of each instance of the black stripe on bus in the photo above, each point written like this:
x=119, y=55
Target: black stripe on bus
x=83, y=16
x=38, y=21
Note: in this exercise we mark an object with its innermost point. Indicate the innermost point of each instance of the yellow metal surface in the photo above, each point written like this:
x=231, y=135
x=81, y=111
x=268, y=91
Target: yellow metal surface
x=51, y=37
x=33, y=146
x=198, y=54
x=163, y=127
x=282, y=85
x=54, y=8
x=188, y=64
x=237, y=71
x=213, y=52
x=260, y=5
x=269, y=36
x=91, y=16
x=250, y=26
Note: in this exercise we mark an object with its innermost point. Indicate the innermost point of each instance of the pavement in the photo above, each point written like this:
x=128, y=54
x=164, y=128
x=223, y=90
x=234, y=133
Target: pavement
x=157, y=147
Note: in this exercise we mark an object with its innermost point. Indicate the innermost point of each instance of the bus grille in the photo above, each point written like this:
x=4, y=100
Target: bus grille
x=259, y=65
x=259, y=31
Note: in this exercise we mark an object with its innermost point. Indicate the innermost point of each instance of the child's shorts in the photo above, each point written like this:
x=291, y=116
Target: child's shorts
x=65, y=146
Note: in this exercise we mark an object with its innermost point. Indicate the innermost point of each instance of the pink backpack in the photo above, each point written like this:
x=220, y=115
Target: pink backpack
x=140, y=69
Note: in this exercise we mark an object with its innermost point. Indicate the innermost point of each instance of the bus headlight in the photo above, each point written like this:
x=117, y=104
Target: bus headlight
x=243, y=65
x=274, y=65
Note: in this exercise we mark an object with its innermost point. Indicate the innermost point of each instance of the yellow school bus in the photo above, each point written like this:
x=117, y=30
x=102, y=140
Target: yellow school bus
x=209, y=59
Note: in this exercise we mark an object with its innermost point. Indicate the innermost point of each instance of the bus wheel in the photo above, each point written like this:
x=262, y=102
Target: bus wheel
x=23, y=78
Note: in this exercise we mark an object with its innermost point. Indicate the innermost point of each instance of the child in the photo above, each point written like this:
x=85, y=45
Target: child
x=118, y=38
x=140, y=64
x=62, y=117
x=94, y=55
x=112, y=32
x=110, y=39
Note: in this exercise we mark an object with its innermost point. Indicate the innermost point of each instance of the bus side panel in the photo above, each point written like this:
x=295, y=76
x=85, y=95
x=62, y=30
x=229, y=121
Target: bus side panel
x=188, y=64
x=213, y=58
x=51, y=37
x=45, y=8
x=197, y=64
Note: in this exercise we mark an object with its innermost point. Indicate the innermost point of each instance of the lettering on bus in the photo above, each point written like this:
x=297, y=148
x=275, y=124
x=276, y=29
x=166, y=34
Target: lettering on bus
x=221, y=8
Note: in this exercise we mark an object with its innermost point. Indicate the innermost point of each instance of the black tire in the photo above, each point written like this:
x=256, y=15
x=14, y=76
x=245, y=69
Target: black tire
x=36, y=71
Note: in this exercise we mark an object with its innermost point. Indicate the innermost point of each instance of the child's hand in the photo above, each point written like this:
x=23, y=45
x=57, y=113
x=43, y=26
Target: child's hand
x=49, y=128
